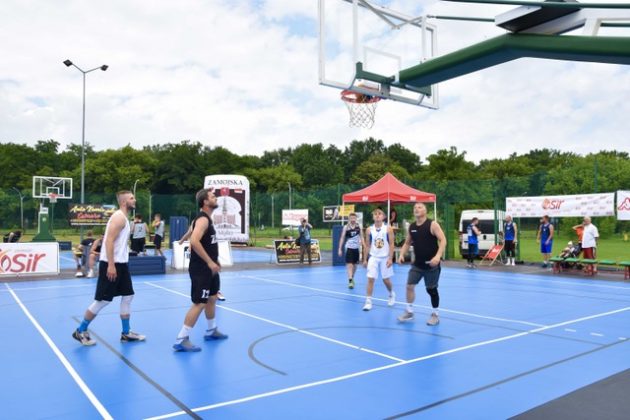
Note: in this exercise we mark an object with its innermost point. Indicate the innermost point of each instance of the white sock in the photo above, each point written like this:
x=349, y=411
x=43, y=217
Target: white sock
x=436, y=311
x=410, y=308
x=183, y=333
x=212, y=324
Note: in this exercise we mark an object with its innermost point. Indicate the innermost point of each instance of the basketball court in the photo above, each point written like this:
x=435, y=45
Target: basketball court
x=300, y=345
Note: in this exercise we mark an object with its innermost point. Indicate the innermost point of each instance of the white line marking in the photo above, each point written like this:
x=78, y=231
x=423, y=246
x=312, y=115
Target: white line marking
x=570, y=330
x=515, y=321
x=88, y=393
x=386, y=367
x=597, y=334
x=50, y=287
x=622, y=338
x=289, y=327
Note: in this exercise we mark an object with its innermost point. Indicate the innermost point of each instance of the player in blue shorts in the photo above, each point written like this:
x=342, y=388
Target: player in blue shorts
x=545, y=238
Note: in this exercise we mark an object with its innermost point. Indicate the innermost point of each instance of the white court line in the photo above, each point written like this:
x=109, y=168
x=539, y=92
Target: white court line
x=515, y=321
x=67, y=286
x=570, y=330
x=88, y=393
x=386, y=367
x=597, y=334
x=289, y=327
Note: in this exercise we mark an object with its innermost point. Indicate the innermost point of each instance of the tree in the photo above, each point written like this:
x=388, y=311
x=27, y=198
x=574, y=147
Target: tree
x=358, y=152
x=449, y=165
x=316, y=166
x=404, y=157
x=375, y=168
x=277, y=178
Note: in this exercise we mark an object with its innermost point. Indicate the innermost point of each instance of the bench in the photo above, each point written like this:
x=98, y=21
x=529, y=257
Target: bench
x=65, y=245
x=626, y=269
x=148, y=264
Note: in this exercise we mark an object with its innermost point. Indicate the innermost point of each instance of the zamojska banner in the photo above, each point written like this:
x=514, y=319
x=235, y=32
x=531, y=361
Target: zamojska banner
x=29, y=258
x=623, y=205
x=89, y=214
x=288, y=252
x=231, y=217
x=561, y=205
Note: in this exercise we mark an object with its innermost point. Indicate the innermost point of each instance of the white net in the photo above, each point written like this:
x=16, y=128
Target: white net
x=361, y=114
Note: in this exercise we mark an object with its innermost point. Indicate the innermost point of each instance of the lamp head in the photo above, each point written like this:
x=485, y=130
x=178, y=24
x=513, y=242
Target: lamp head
x=67, y=63
x=104, y=67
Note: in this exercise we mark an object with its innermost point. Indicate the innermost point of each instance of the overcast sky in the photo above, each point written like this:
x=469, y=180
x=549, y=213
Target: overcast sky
x=244, y=75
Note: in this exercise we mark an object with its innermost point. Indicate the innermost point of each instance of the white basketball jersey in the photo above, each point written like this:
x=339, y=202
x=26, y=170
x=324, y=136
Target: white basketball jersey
x=121, y=251
x=379, y=242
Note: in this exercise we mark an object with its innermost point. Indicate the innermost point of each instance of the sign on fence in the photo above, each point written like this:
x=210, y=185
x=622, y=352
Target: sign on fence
x=29, y=258
x=561, y=205
x=89, y=214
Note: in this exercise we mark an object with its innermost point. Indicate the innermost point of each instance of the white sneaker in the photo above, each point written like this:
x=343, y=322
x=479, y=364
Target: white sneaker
x=512, y=263
x=368, y=305
x=392, y=299
x=91, y=273
x=79, y=274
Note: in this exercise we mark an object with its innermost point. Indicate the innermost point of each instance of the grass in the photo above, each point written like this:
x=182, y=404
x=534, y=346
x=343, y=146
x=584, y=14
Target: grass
x=613, y=248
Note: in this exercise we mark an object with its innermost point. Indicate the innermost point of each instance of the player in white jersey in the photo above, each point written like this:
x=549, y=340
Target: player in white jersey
x=379, y=246
x=113, y=275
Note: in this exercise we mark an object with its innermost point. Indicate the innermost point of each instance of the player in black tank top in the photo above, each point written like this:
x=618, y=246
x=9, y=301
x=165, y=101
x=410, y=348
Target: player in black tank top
x=429, y=244
x=204, y=274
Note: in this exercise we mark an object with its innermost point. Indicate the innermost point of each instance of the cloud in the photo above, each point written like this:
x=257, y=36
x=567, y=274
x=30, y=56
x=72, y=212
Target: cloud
x=244, y=75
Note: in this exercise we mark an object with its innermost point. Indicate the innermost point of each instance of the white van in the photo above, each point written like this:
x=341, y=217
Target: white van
x=486, y=226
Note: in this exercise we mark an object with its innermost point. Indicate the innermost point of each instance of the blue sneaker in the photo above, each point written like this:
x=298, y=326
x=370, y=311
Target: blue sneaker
x=186, y=346
x=214, y=335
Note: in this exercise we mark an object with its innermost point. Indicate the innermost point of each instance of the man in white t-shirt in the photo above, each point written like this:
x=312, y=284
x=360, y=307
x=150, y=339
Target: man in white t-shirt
x=589, y=244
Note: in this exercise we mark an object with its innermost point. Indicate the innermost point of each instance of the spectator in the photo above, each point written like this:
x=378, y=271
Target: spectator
x=589, y=244
x=510, y=230
x=95, y=253
x=139, y=231
x=305, y=240
x=393, y=218
x=81, y=253
x=158, y=226
x=473, y=241
x=545, y=238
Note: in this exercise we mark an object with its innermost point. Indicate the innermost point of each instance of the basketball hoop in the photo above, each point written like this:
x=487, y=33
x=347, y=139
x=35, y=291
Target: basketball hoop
x=361, y=107
x=52, y=197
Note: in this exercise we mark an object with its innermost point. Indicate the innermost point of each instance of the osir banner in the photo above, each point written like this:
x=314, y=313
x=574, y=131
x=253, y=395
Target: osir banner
x=561, y=205
x=623, y=205
x=29, y=258
x=287, y=252
x=89, y=214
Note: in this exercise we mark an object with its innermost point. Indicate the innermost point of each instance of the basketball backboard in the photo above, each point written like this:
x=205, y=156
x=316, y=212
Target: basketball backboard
x=364, y=45
x=44, y=186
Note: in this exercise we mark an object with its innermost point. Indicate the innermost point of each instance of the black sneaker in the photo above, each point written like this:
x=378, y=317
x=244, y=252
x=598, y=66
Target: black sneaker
x=131, y=336
x=83, y=338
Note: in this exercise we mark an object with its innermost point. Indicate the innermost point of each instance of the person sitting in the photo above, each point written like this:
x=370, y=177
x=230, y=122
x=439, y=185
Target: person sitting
x=95, y=253
x=13, y=236
x=81, y=253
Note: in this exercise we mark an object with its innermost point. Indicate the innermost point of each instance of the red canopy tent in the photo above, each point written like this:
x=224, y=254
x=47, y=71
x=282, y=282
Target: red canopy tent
x=389, y=189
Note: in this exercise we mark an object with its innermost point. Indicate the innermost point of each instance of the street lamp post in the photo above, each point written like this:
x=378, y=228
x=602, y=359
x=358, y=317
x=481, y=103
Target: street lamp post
x=289, y=195
x=104, y=67
x=134, y=194
x=21, y=208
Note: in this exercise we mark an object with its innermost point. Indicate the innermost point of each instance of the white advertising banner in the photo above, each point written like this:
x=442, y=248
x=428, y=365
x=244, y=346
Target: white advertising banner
x=294, y=217
x=29, y=258
x=561, y=205
x=231, y=217
x=623, y=205
x=181, y=255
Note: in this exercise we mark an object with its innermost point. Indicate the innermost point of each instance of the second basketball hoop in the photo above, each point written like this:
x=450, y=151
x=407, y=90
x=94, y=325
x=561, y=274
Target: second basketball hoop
x=361, y=107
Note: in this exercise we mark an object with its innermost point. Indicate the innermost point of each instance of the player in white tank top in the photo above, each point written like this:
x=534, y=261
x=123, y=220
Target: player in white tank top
x=121, y=250
x=379, y=244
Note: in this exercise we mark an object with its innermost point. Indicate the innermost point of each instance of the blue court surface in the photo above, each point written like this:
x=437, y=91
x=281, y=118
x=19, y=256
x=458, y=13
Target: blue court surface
x=301, y=347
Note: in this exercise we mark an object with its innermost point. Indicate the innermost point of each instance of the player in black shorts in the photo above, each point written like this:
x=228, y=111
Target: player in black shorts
x=113, y=276
x=204, y=274
x=352, y=236
x=429, y=243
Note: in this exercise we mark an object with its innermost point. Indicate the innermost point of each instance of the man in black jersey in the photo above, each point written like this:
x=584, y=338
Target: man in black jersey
x=429, y=243
x=204, y=274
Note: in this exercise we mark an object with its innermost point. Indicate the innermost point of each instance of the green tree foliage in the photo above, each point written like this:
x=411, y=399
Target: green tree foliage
x=374, y=168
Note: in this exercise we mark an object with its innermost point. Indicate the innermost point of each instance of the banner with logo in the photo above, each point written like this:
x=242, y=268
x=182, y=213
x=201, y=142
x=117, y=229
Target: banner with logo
x=623, y=205
x=29, y=258
x=294, y=217
x=337, y=213
x=231, y=217
x=89, y=214
x=561, y=205
x=181, y=255
x=287, y=252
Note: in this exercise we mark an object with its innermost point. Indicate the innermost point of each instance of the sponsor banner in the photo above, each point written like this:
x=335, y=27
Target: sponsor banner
x=231, y=217
x=623, y=205
x=561, y=205
x=29, y=258
x=89, y=214
x=337, y=213
x=287, y=252
x=293, y=217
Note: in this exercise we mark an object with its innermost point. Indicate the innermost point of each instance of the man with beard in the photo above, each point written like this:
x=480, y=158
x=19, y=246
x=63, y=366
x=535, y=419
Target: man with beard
x=204, y=274
x=113, y=276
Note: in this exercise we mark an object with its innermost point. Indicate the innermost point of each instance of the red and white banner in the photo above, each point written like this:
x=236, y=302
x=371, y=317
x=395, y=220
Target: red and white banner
x=231, y=217
x=623, y=205
x=561, y=205
x=294, y=217
x=29, y=258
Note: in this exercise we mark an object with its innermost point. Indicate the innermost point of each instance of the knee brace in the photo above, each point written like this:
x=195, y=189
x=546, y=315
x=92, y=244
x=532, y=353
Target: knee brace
x=125, y=305
x=97, y=305
x=435, y=297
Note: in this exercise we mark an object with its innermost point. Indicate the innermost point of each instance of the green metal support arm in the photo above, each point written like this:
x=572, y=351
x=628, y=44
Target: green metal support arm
x=602, y=49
